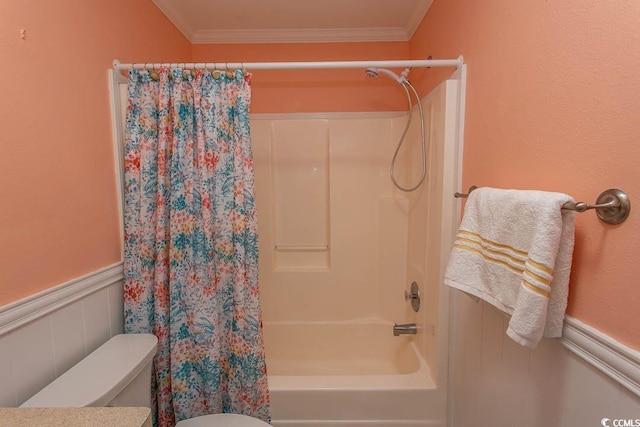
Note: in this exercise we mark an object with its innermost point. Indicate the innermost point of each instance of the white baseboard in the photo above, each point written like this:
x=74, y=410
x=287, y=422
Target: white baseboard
x=619, y=362
x=28, y=309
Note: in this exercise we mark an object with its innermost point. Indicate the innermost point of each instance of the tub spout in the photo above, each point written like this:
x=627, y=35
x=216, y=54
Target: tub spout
x=405, y=329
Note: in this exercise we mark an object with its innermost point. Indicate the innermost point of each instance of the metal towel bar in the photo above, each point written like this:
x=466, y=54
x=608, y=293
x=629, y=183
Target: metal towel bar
x=612, y=206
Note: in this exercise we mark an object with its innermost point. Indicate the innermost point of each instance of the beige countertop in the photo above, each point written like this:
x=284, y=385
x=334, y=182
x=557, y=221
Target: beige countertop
x=76, y=417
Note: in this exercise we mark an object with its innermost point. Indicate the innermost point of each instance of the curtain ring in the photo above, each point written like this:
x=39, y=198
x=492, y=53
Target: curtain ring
x=185, y=73
x=228, y=73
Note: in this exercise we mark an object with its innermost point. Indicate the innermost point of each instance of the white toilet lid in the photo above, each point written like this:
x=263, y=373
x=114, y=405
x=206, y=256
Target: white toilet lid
x=222, y=420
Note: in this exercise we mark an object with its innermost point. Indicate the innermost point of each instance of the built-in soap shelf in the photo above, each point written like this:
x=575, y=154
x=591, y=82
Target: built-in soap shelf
x=301, y=257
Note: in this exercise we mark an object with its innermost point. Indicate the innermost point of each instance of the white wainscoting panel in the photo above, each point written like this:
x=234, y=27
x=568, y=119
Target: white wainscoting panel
x=96, y=319
x=43, y=335
x=7, y=394
x=116, y=309
x=68, y=330
x=31, y=362
x=617, y=361
x=498, y=383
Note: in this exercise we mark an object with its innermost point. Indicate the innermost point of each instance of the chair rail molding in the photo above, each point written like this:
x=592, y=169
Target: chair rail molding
x=616, y=360
x=28, y=309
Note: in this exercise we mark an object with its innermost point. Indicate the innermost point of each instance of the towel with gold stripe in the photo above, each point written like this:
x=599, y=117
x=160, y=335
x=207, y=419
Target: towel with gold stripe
x=514, y=250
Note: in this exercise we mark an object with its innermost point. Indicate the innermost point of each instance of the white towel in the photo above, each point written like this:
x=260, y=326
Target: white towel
x=514, y=250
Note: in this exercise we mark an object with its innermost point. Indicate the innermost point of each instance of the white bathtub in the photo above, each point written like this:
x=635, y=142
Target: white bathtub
x=352, y=373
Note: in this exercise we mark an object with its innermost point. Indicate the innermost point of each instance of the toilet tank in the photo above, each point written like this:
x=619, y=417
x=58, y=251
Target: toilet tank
x=116, y=374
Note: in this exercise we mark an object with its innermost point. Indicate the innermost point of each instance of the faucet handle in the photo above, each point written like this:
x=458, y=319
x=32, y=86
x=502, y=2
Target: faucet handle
x=409, y=296
x=413, y=296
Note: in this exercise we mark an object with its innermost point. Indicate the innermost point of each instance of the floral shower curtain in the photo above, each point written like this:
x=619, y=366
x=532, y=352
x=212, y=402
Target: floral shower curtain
x=191, y=252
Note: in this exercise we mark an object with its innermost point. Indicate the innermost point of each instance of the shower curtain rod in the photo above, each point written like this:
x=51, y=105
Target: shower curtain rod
x=420, y=63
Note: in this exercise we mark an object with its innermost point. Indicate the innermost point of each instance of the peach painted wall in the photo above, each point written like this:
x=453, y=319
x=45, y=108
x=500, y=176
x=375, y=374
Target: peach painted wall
x=301, y=91
x=59, y=215
x=553, y=103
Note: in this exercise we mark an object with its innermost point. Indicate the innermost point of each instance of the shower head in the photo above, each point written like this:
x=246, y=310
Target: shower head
x=374, y=72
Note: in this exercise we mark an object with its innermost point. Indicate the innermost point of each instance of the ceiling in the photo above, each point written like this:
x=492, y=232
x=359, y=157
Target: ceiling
x=295, y=21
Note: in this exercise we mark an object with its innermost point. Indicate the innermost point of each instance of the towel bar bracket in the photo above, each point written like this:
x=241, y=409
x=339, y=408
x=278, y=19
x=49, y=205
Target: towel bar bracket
x=612, y=206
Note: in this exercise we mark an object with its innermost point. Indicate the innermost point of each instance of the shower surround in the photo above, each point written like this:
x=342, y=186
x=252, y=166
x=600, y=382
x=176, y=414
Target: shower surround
x=338, y=247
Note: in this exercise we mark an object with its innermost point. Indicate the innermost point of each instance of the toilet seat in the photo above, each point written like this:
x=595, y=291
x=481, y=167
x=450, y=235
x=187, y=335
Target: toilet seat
x=222, y=420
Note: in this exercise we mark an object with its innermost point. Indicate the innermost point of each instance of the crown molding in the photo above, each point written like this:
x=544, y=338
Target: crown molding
x=416, y=18
x=302, y=35
x=172, y=15
x=317, y=35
